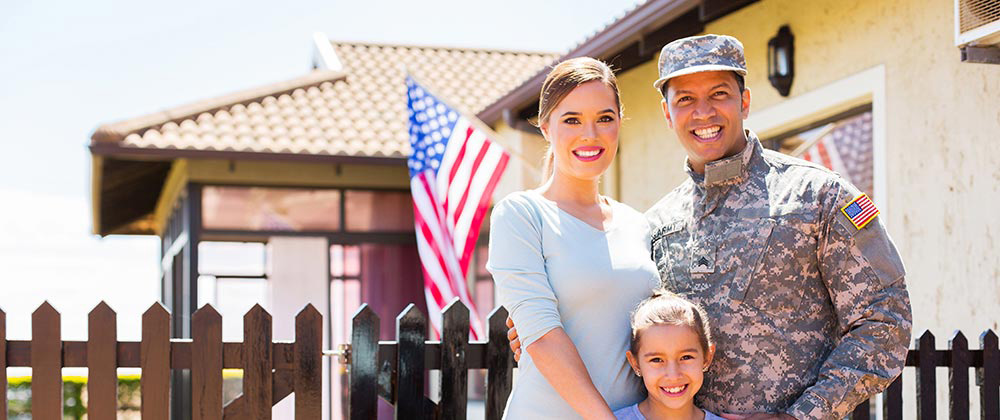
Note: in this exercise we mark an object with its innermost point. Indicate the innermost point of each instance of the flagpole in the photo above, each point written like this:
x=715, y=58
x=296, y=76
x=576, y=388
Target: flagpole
x=490, y=133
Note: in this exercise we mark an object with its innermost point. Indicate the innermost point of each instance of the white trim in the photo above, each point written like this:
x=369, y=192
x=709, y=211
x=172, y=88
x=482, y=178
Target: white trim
x=865, y=87
x=326, y=57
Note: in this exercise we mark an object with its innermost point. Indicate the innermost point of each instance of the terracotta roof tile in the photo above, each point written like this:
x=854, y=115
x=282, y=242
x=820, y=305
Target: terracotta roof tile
x=358, y=111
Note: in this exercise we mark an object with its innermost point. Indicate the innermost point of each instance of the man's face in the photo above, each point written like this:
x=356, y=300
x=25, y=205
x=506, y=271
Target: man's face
x=706, y=110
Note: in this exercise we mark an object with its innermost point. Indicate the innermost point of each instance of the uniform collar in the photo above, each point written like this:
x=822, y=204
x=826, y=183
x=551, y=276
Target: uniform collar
x=727, y=171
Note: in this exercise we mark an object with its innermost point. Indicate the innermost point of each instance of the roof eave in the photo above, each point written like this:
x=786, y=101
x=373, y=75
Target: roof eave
x=602, y=44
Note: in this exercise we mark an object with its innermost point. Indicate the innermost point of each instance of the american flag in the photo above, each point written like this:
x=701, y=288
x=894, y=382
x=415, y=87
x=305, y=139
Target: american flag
x=861, y=210
x=454, y=169
x=847, y=150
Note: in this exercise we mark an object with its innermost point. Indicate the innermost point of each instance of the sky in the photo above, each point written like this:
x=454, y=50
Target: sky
x=67, y=67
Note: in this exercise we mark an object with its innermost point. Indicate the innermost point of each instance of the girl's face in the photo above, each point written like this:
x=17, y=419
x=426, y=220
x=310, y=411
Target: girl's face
x=583, y=130
x=671, y=363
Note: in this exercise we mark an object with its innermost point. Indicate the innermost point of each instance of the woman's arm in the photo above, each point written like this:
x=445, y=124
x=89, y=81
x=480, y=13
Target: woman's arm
x=556, y=358
x=517, y=263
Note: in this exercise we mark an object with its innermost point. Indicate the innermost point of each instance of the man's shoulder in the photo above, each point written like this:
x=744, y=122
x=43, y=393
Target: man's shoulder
x=797, y=170
x=671, y=204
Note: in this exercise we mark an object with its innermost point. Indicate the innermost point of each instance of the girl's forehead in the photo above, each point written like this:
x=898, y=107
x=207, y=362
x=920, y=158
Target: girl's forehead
x=669, y=337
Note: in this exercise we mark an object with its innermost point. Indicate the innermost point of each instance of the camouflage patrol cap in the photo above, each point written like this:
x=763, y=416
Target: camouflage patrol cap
x=700, y=53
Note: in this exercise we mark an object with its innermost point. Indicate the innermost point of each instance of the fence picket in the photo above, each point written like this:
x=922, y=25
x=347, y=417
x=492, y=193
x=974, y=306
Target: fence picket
x=501, y=364
x=958, y=377
x=257, y=363
x=892, y=400
x=206, y=364
x=46, y=364
x=454, y=367
x=3, y=364
x=363, y=393
x=308, y=364
x=154, y=355
x=102, y=363
x=410, y=333
x=926, y=386
x=862, y=411
x=988, y=377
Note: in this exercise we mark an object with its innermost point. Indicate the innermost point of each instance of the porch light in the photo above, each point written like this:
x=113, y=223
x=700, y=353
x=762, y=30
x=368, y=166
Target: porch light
x=780, y=60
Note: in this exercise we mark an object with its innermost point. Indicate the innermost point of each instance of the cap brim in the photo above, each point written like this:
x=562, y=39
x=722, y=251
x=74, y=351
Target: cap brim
x=696, y=69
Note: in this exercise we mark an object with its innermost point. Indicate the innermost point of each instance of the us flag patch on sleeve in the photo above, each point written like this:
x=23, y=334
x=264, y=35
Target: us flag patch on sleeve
x=860, y=211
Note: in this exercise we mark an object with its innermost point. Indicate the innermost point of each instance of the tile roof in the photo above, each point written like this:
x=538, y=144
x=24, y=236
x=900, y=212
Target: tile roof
x=359, y=111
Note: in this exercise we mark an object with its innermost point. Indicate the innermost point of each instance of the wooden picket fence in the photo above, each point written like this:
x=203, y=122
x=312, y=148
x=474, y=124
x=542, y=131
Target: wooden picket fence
x=394, y=371
x=271, y=371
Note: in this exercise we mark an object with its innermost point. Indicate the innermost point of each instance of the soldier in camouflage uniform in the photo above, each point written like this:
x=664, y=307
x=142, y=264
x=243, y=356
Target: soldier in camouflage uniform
x=800, y=280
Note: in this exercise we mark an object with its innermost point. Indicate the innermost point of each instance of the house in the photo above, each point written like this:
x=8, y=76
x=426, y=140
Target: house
x=307, y=176
x=912, y=116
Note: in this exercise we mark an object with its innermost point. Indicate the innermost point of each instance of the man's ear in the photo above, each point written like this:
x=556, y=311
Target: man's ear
x=632, y=361
x=666, y=113
x=745, y=105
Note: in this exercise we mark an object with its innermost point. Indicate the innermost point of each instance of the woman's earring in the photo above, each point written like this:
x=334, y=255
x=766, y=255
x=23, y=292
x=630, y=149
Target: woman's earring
x=638, y=374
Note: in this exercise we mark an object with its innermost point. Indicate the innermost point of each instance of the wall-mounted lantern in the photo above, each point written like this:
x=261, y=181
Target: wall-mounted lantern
x=780, y=60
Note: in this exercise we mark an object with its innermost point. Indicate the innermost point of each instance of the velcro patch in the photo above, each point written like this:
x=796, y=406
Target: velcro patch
x=860, y=211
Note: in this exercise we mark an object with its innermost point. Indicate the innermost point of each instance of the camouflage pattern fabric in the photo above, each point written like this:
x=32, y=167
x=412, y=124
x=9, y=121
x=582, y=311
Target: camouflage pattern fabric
x=810, y=315
x=700, y=53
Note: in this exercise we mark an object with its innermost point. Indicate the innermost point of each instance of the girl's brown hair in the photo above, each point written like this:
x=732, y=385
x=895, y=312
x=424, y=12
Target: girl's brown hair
x=565, y=77
x=667, y=308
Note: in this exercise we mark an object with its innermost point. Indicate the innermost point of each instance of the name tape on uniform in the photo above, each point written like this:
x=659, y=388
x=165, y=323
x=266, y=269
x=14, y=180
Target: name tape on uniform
x=860, y=211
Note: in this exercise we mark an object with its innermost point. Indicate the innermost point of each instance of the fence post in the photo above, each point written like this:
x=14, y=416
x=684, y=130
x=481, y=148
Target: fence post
x=363, y=382
x=257, y=363
x=454, y=367
x=862, y=411
x=892, y=400
x=501, y=364
x=988, y=376
x=958, y=377
x=206, y=364
x=3, y=364
x=102, y=363
x=308, y=364
x=46, y=364
x=926, y=386
x=154, y=360
x=410, y=332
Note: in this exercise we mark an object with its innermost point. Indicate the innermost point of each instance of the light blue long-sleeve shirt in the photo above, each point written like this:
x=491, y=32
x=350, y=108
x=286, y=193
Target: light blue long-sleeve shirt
x=553, y=270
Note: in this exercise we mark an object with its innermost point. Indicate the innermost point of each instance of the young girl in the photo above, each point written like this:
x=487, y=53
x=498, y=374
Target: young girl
x=671, y=349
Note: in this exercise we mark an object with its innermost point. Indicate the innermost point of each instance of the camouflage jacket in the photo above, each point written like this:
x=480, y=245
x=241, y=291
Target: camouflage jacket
x=810, y=314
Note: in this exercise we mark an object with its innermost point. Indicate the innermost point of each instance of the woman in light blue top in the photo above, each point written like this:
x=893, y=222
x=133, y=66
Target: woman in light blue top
x=568, y=262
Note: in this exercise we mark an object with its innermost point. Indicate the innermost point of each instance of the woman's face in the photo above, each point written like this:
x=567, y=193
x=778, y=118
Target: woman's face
x=583, y=131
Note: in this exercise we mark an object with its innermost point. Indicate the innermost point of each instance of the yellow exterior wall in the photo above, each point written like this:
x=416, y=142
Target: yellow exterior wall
x=524, y=170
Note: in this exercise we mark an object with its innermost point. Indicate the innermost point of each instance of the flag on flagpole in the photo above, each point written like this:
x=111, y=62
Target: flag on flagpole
x=454, y=169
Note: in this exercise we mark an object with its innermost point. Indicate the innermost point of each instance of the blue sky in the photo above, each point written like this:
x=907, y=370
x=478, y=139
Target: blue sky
x=70, y=66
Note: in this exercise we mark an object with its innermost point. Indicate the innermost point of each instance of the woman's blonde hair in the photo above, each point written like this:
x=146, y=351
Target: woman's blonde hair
x=668, y=308
x=562, y=79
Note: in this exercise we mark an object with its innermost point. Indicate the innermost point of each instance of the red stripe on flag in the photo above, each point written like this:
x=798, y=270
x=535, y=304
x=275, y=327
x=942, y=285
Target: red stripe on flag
x=456, y=163
x=468, y=185
x=824, y=155
x=430, y=196
x=484, y=201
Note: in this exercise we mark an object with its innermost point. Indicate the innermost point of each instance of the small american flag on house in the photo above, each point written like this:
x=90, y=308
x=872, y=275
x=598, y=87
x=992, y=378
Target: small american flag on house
x=454, y=169
x=860, y=211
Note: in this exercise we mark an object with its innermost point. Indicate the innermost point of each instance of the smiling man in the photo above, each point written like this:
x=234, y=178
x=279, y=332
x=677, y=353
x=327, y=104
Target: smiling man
x=800, y=280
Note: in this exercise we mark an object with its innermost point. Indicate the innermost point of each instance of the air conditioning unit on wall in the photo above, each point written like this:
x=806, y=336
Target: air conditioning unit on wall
x=977, y=30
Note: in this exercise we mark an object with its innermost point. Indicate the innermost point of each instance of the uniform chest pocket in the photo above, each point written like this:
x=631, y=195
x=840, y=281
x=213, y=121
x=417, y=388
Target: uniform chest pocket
x=670, y=252
x=785, y=283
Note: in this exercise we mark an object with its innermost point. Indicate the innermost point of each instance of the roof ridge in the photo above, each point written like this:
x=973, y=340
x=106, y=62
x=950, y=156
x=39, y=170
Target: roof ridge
x=115, y=132
x=441, y=47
